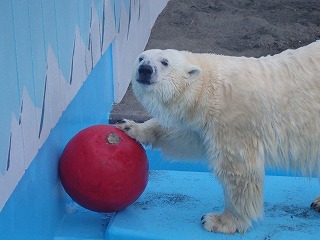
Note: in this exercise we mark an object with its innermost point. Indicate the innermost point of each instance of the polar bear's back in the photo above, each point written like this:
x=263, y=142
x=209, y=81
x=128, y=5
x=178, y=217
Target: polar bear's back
x=276, y=98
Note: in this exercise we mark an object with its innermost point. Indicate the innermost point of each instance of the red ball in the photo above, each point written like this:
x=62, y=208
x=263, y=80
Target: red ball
x=103, y=169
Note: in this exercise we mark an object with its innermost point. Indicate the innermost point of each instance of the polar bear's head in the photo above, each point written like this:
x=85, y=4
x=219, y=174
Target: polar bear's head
x=164, y=74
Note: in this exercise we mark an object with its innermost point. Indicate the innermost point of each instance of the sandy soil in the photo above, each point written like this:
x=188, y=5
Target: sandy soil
x=250, y=28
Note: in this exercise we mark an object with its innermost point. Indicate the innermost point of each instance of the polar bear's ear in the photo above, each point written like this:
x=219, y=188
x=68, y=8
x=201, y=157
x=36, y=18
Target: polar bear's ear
x=193, y=72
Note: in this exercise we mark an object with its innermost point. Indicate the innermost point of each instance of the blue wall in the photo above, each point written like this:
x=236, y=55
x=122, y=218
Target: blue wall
x=37, y=205
x=60, y=64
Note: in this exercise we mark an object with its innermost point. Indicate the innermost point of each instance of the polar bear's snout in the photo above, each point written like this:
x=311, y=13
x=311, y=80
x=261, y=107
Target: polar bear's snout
x=145, y=74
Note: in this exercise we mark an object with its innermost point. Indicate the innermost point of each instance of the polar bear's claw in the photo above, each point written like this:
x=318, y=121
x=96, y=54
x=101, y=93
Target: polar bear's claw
x=126, y=126
x=218, y=223
x=224, y=223
x=121, y=121
x=315, y=205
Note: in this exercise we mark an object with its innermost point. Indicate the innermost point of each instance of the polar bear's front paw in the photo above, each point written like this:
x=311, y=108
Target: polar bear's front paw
x=223, y=223
x=134, y=130
x=130, y=127
x=125, y=124
x=316, y=204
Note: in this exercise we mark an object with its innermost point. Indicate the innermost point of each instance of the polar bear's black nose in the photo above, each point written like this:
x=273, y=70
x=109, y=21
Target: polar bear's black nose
x=145, y=71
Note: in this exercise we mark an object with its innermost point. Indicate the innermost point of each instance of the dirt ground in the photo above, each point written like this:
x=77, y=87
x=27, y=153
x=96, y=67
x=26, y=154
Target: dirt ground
x=237, y=27
x=251, y=28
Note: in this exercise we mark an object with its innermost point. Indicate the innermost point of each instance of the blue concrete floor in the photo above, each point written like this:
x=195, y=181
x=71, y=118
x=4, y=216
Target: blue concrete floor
x=173, y=203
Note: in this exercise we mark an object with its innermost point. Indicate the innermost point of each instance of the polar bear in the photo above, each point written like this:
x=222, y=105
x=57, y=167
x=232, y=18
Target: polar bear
x=240, y=114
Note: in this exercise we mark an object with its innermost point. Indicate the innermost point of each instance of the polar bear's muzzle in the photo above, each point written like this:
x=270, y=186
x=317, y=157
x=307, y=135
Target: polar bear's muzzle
x=145, y=73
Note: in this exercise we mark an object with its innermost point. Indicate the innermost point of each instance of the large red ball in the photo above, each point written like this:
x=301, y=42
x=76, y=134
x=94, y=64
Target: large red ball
x=103, y=169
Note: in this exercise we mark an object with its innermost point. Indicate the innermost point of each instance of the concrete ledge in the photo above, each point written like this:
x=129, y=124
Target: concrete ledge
x=173, y=203
x=82, y=224
x=128, y=108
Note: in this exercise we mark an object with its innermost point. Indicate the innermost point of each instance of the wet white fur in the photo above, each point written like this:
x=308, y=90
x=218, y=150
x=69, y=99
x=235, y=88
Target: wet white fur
x=238, y=113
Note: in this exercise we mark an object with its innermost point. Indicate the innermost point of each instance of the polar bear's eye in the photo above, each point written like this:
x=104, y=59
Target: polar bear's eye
x=140, y=59
x=164, y=62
